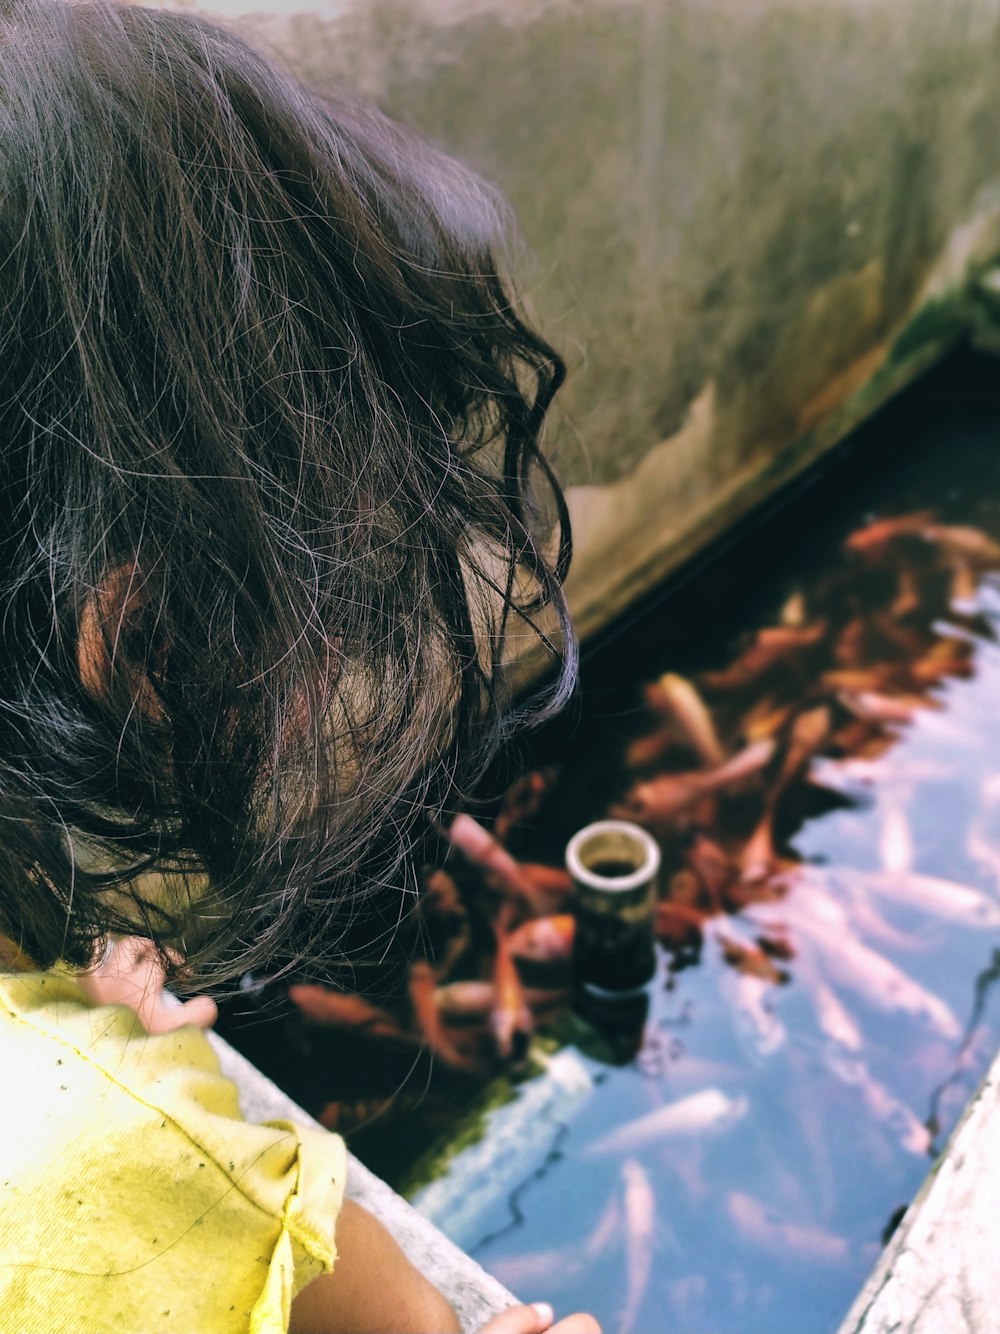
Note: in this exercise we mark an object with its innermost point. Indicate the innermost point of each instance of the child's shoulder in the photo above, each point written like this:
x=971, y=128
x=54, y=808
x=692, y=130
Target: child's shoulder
x=128, y=1176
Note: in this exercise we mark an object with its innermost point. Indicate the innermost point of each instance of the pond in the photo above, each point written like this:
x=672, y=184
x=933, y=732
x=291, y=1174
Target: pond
x=728, y=1150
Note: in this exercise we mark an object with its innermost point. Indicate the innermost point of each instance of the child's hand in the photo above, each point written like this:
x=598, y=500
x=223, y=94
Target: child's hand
x=537, y=1319
x=131, y=974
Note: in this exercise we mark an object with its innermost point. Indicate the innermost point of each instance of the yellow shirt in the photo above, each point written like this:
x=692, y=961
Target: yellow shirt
x=133, y=1198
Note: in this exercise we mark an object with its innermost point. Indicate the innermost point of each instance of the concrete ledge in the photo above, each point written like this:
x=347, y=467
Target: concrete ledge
x=939, y=1273
x=474, y=1294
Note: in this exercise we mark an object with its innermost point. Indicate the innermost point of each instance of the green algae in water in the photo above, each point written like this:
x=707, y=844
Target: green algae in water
x=510, y=1136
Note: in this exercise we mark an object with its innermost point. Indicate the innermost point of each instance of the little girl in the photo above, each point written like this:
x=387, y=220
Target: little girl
x=272, y=495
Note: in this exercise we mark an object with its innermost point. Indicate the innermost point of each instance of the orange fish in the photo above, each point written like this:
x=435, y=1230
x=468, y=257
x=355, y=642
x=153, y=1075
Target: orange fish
x=645, y=751
x=481, y=848
x=809, y=731
x=342, y=1009
x=422, y=987
x=965, y=544
x=510, y=1017
x=771, y=647
x=758, y=858
x=668, y=795
x=544, y=939
x=714, y=867
x=907, y=599
x=676, y=696
x=442, y=893
x=875, y=538
x=471, y=999
x=873, y=707
x=677, y=924
x=523, y=799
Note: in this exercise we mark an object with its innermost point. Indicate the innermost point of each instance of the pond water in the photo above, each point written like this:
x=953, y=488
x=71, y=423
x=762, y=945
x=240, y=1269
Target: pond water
x=727, y=1151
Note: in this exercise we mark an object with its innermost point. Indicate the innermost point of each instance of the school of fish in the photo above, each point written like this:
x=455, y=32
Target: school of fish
x=720, y=770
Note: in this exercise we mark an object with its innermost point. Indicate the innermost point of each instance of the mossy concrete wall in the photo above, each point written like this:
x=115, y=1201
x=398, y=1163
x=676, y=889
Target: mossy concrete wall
x=750, y=220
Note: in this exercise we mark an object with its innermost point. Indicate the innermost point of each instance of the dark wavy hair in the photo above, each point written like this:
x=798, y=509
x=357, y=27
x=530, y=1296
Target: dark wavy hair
x=271, y=493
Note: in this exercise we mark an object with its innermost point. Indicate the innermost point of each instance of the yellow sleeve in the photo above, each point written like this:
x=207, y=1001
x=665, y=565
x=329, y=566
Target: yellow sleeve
x=133, y=1197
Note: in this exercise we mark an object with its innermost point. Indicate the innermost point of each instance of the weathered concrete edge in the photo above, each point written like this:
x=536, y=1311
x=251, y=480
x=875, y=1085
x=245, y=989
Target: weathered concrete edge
x=939, y=1271
x=474, y=1294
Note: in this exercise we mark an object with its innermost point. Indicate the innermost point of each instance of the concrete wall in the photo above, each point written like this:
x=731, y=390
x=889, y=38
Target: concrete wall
x=751, y=220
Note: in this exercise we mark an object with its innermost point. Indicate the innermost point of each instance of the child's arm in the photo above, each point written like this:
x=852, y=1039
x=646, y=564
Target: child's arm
x=373, y=1289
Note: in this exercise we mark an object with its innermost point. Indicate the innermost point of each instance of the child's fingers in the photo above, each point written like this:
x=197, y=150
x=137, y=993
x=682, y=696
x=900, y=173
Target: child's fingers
x=537, y=1319
x=200, y=1010
x=581, y=1323
x=534, y=1319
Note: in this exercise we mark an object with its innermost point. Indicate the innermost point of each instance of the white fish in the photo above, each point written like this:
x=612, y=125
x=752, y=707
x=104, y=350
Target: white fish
x=943, y=898
x=981, y=850
x=895, y=842
x=756, y=1021
x=834, y=1020
x=884, y=1106
x=640, y=1214
x=871, y=975
x=706, y=1112
x=760, y=1225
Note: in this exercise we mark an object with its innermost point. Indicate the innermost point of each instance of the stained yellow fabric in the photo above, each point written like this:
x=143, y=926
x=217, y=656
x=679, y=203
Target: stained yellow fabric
x=133, y=1198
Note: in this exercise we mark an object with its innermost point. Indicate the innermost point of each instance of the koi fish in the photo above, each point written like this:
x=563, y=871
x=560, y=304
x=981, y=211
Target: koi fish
x=944, y=898
x=442, y=893
x=948, y=657
x=678, y=924
x=521, y=1271
x=771, y=647
x=766, y=719
x=640, y=1215
x=486, y=852
x=545, y=939
x=713, y=866
x=648, y=750
x=510, y=1017
x=881, y=677
x=835, y=1021
x=874, y=539
x=758, y=858
x=908, y=598
x=895, y=843
x=809, y=730
x=708, y=1112
x=523, y=799
x=874, y=707
x=913, y=1135
x=762, y=1226
x=965, y=544
x=756, y=1021
x=421, y=987
x=676, y=696
x=342, y=1009
x=964, y=588
x=475, y=999
x=871, y=975
x=850, y=650
x=669, y=794
x=552, y=883
x=794, y=611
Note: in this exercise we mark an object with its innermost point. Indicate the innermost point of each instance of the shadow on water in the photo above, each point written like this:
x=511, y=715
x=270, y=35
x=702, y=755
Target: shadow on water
x=728, y=1153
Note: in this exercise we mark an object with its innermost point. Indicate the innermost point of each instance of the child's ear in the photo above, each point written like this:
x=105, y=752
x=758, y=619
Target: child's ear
x=108, y=625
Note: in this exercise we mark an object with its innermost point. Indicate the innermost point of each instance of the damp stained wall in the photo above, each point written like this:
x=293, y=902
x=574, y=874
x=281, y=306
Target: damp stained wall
x=747, y=221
